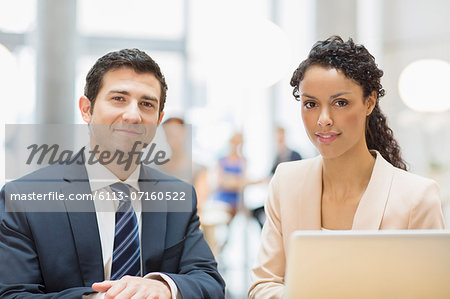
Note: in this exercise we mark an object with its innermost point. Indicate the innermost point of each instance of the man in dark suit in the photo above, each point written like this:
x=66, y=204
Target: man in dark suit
x=146, y=248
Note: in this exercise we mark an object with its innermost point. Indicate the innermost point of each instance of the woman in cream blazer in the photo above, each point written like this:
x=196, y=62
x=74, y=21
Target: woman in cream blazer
x=394, y=199
x=347, y=186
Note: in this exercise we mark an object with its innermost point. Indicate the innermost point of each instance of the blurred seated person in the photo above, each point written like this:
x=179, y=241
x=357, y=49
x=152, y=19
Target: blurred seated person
x=180, y=163
x=231, y=175
x=284, y=154
x=224, y=203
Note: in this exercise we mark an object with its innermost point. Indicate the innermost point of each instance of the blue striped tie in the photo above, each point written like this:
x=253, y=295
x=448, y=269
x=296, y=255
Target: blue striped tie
x=126, y=253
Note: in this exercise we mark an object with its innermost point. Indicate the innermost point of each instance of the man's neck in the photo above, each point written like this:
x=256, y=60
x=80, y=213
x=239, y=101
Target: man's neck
x=121, y=165
x=120, y=171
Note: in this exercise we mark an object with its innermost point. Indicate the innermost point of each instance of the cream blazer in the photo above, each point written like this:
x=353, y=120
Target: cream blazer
x=394, y=199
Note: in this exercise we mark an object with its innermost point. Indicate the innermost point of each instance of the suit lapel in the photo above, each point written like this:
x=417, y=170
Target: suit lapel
x=370, y=211
x=311, y=197
x=83, y=222
x=154, y=224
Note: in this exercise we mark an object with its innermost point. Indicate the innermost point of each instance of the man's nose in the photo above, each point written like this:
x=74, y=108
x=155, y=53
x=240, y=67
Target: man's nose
x=132, y=113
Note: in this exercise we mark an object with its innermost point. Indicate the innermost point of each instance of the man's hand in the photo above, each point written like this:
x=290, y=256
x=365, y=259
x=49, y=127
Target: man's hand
x=133, y=287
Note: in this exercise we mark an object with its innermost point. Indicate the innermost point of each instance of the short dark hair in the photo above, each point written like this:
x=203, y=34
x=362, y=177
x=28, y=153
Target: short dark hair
x=355, y=61
x=134, y=59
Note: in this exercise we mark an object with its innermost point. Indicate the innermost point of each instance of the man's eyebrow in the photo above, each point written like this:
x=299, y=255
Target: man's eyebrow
x=150, y=98
x=144, y=97
x=124, y=92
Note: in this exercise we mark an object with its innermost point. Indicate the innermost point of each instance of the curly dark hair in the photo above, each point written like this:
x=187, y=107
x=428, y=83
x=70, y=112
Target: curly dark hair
x=358, y=64
x=134, y=59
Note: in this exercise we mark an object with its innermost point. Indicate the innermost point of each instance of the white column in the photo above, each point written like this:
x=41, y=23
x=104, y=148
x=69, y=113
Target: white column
x=56, y=52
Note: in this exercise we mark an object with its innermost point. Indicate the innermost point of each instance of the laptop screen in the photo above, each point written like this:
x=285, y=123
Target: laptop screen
x=369, y=264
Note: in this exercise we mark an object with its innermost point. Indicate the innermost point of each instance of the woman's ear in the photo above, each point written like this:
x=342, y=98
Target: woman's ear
x=371, y=102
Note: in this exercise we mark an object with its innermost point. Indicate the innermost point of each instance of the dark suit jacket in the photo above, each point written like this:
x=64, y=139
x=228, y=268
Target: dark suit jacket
x=58, y=254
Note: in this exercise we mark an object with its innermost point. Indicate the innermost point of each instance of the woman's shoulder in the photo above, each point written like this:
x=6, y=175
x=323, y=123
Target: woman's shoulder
x=415, y=197
x=412, y=180
x=406, y=179
x=295, y=173
x=299, y=166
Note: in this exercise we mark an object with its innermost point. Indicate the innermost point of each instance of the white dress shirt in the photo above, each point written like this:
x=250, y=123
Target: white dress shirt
x=100, y=178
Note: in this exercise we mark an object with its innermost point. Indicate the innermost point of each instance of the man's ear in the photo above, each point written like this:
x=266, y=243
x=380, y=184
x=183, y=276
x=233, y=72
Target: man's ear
x=85, y=108
x=161, y=115
x=371, y=102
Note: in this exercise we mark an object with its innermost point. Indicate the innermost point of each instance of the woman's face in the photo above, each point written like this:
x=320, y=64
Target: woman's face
x=334, y=111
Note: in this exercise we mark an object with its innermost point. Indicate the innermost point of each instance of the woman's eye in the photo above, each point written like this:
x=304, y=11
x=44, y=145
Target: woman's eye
x=309, y=105
x=341, y=103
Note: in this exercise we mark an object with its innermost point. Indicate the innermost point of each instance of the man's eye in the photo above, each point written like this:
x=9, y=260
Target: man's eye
x=309, y=105
x=117, y=98
x=147, y=104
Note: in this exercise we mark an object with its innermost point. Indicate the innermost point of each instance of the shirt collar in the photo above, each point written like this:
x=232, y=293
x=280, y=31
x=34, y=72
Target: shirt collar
x=101, y=177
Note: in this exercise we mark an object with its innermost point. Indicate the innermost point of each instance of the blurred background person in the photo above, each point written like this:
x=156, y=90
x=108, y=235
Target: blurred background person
x=229, y=182
x=231, y=176
x=180, y=164
x=284, y=154
x=227, y=199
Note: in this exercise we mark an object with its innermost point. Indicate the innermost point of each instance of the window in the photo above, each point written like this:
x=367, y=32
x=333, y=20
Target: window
x=17, y=16
x=133, y=18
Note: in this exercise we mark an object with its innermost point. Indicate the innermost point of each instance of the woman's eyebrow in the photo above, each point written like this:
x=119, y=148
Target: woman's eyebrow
x=331, y=97
x=308, y=96
x=339, y=94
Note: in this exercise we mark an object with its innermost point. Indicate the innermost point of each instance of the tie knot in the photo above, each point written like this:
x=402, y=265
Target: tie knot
x=122, y=191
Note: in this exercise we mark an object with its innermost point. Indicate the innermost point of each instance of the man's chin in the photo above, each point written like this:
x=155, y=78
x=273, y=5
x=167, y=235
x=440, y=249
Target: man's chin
x=128, y=149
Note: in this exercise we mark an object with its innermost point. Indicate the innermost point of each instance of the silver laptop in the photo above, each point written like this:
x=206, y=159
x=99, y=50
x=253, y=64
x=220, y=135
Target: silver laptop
x=369, y=264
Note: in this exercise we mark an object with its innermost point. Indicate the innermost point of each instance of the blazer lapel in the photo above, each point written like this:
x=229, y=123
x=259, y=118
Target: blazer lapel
x=154, y=224
x=83, y=222
x=311, y=198
x=370, y=211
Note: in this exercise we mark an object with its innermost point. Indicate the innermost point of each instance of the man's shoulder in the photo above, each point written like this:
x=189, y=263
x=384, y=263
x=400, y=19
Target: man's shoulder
x=166, y=193
x=152, y=174
x=54, y=172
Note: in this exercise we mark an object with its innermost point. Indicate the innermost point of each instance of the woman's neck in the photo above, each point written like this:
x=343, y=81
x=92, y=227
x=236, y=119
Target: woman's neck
x=347, y=176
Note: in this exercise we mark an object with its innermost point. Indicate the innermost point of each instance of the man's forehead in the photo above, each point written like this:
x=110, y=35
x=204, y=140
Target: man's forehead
x=127, y=70
x=128, y=74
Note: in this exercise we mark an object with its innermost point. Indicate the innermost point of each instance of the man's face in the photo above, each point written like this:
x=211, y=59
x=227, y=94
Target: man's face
x=126, y=110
